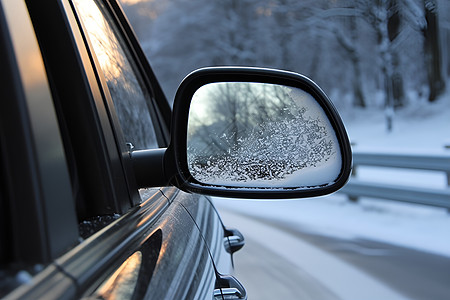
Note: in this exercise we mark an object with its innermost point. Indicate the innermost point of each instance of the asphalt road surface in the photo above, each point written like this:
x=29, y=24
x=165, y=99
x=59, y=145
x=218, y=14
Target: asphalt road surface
x=279, y=262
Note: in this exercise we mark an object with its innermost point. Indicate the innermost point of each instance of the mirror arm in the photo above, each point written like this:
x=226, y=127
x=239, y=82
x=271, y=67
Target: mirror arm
x=149, y=168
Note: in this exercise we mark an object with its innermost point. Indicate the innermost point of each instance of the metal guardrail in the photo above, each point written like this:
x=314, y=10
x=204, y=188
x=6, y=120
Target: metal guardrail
x=427, y=196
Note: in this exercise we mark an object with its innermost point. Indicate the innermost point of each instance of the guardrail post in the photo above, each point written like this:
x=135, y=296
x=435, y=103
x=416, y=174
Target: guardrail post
x=353, y=198
x=447, y=147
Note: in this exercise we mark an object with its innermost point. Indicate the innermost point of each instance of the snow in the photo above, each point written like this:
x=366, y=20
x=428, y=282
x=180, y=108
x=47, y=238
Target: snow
x=324, y=173
x=417, y=129
x=420, y=128
x=419, y=227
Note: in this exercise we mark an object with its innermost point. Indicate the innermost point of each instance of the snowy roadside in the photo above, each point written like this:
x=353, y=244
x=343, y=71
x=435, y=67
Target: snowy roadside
x=421, y=128
x=413, y=226
x=418, y=129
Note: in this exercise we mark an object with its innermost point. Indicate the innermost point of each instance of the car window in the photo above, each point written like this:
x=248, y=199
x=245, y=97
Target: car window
x=129, y=95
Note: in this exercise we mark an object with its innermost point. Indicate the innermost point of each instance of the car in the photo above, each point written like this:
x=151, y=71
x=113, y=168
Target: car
x=104, y=188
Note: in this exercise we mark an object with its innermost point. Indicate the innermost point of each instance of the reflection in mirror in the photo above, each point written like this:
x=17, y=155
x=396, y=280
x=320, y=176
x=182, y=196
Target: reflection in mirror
x=244, y=134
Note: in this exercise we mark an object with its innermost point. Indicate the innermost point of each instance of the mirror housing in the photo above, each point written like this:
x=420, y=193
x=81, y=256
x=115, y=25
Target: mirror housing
x=176, y=165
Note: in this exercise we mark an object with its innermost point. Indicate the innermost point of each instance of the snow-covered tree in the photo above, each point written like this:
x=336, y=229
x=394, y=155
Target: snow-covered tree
x=353, y=49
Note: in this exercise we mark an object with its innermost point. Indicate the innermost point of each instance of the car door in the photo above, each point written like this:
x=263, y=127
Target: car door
x=133, y=244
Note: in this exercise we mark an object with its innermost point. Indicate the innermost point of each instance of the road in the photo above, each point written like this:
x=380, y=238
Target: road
x=278, y=262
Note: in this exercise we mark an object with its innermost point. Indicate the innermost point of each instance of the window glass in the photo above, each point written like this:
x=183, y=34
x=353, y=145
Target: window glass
x=125, y=85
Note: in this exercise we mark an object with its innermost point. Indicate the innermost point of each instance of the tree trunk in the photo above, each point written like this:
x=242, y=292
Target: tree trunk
x=350, y=46
x=393, y=27
x=359, y=99
x=432, y=51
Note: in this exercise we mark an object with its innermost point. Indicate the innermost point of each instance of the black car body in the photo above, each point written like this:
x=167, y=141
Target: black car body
x=76, y=220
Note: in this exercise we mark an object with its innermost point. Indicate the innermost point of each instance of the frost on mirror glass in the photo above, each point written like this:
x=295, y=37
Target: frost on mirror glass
x=243, y=134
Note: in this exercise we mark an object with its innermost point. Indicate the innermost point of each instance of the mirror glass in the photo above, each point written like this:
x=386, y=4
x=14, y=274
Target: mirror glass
x=259, y=135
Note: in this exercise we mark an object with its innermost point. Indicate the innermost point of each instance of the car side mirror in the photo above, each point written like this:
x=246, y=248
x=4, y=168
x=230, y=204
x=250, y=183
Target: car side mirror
x=250, y=133
x=256, y=133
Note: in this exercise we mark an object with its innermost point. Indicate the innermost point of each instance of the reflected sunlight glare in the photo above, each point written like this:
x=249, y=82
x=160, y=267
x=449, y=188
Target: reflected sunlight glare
x=121, y=284
x=103, y=43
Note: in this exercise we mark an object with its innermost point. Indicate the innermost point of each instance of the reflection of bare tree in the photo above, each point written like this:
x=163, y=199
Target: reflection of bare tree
x=255, y=131
x=234, y=109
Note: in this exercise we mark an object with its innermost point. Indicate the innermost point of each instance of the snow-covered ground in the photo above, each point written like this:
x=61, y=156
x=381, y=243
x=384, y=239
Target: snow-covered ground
x=419, y=128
